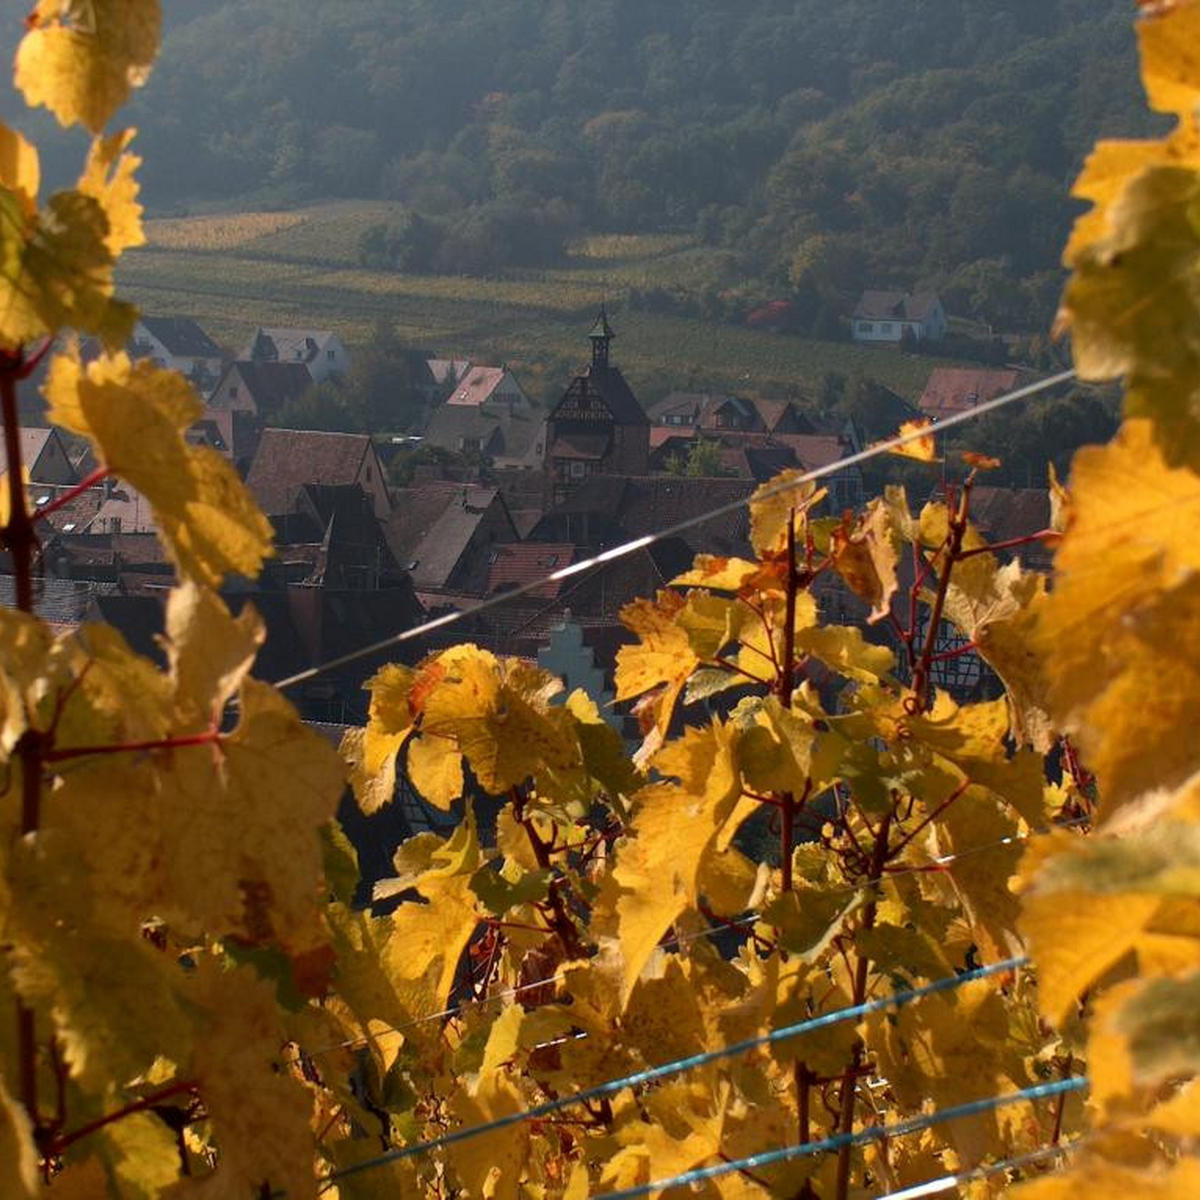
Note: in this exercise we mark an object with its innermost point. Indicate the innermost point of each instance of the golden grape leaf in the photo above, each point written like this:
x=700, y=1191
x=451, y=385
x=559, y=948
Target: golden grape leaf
x=1161, y=1022
x=113, y=1000
x=603, y=749
x=1099, y=1178
x=921, y=444
x=1133, y=306
x=438, y=930
x=1123, y=612
x=657, y=876
x=209, y=653
x=1167, y=38
x=109, y=178
x=720, y=574
x=371, y=752
x=19, y=1174
x=1089, y=903
x=490, y=1165
x=141, y=1154
x=135, y=416
x=951, y=1048
x=866, y=556
x=842, y=648
x=662, y=657
x=259, y=1113
x=497, y=712
x=434, y=765
x=20, y=169
x=239, y=863
x=781, y=502
x=56, y=271
x=80, y=58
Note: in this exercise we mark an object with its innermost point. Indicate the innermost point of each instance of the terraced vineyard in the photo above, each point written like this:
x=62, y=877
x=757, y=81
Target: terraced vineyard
x=235, y=271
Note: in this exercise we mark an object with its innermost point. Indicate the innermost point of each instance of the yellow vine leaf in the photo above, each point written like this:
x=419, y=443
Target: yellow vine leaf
x=19, y=1173
x=662, y=657
x=371, y=752
x=496, y=712
x=80, y=59
x=1089, y=904
x=959, y=1045
x=720, y=574
x=923, y=448
x=1167, y=38
x=1123, y=612
x=1133, y=306
x=20, y=170
x=1099, y=1178
x=209, y=654
x=435, y=767
x=490, y=1166
x=259, y=1112
x=135, y=416
x=438, y=930
x=866, y=556
x=657, y=876
x=109, y=178
x=783, y=501
x=57, y=271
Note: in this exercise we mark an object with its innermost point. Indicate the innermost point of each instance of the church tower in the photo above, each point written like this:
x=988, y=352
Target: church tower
x=598, y=427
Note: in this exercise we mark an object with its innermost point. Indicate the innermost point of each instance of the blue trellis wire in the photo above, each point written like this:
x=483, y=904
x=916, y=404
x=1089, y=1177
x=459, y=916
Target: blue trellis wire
x=679, y=1066
x=857, y=1137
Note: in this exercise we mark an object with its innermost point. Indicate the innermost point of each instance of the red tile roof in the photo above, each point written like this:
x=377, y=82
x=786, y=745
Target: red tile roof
x=954, y=389
x=477, y=386
x=524, y=562
x=289, y=459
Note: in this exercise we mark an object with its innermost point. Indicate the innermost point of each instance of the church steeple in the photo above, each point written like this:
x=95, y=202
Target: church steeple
x=601, y=336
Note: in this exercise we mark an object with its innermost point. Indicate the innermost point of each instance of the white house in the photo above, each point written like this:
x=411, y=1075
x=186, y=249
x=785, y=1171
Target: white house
x=883, y=317
x=178, y=344
x=320, y=350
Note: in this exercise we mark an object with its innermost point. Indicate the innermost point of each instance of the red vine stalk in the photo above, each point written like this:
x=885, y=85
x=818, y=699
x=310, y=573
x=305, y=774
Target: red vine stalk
x=952, y=551
x=786, y=685
x=209, y=737
x=66, y=1140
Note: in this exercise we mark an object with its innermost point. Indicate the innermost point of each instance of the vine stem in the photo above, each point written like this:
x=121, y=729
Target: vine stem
x=560, y=918
x=785, y=686
x=21, y=542
x=952, y=551
x=849, y=1088
x=67, y=1140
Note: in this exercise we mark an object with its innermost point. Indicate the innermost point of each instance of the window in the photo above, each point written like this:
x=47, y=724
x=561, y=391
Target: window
x=888, y=327
x=331, y=355
x=577, y=470
x=469, y=443
x=866, y=327
x=114, y=525
x=233, y=391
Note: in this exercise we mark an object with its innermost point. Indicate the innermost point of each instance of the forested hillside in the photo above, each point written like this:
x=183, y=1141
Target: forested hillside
x=826, y=145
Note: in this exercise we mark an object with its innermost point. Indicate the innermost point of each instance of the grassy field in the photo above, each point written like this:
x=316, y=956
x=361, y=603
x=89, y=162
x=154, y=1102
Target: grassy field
x=234, y=272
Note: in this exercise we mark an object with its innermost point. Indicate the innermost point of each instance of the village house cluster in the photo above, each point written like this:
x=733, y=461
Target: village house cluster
x=524, y=490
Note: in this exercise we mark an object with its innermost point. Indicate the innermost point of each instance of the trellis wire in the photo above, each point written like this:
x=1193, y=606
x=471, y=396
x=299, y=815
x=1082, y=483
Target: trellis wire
x=858, y=1137
x=640, y=543
x=679, y=1066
